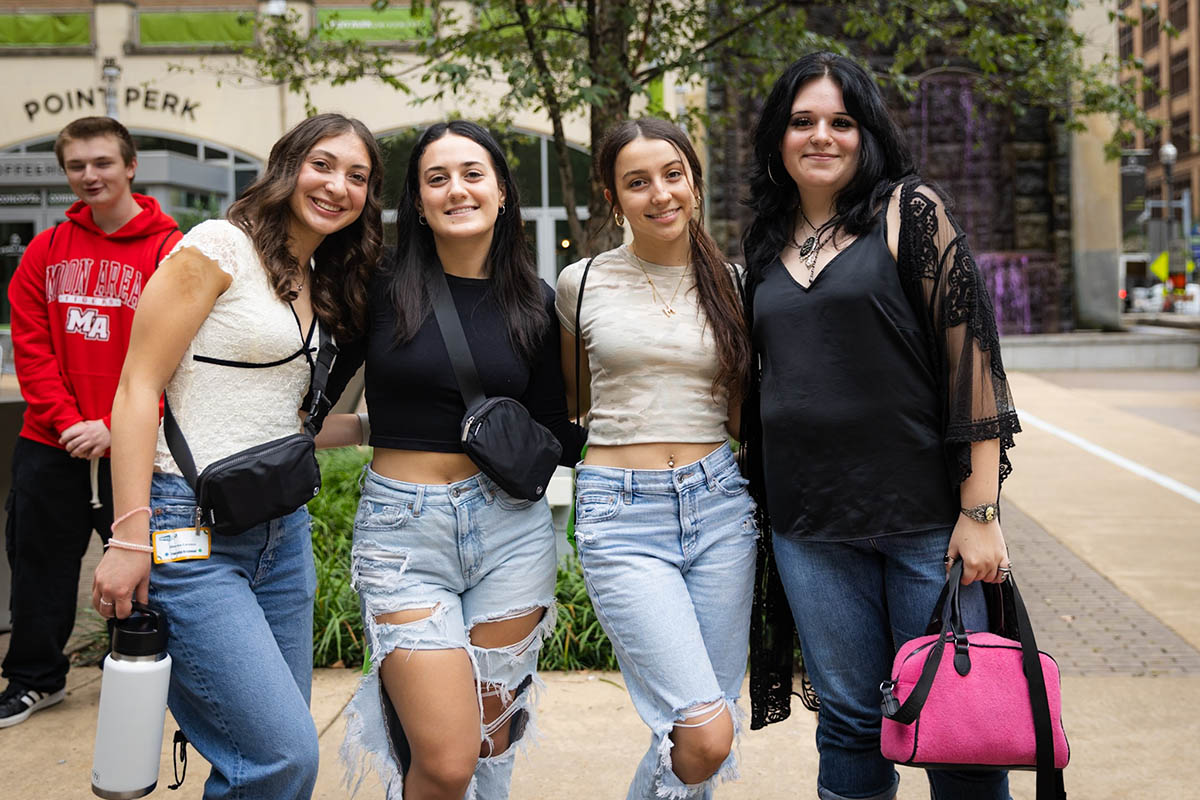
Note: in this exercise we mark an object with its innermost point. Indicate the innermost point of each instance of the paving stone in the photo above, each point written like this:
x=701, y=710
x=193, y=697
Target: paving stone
x=1089, y=625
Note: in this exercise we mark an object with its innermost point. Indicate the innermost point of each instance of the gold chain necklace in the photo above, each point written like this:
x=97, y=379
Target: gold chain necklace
x=667, y=308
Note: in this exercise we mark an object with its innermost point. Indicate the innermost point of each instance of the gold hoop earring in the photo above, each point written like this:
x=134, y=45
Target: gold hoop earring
x=618, y=218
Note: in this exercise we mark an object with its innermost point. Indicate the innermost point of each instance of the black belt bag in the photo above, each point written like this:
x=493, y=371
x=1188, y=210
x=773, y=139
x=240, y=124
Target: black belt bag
x=268, y=480
x=509, y=446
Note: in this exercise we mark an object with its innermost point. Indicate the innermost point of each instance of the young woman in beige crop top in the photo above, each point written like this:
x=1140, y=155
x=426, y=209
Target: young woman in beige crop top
x=664, y=525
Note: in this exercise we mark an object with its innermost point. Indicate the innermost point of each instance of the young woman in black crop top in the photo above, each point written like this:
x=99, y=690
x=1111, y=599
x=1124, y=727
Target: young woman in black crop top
x=456, y=577
x=879, y=409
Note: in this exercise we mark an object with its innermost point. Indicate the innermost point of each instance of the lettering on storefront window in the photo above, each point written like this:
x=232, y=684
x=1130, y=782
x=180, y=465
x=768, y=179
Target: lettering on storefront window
x=91, y=101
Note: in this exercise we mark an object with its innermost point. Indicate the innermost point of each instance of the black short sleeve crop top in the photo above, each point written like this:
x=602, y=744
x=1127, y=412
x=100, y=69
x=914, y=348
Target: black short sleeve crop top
x=412, y=395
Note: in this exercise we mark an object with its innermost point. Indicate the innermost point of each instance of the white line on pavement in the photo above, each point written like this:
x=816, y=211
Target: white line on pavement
x=1109, y=455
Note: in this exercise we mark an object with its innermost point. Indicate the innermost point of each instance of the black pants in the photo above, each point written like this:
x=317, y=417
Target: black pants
x=50, y=521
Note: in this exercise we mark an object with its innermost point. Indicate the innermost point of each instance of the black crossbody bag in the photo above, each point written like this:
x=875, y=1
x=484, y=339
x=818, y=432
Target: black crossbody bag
x=509, y=446
x=269, y=480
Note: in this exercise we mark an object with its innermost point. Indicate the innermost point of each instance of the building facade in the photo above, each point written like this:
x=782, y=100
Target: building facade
x=167, y=70
x=1172, y=66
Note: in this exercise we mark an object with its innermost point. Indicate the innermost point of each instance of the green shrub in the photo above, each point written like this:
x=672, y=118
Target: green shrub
x=337, y=623
x=578, y=641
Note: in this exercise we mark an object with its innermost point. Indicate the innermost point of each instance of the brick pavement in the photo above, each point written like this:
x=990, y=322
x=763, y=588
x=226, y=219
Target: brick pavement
x=1090, y=626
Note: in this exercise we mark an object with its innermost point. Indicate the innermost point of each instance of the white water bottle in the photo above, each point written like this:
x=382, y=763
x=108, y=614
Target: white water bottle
x=133, y=706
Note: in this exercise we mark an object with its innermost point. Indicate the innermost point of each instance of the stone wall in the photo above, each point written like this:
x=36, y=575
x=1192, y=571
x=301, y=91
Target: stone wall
x=1008, y=178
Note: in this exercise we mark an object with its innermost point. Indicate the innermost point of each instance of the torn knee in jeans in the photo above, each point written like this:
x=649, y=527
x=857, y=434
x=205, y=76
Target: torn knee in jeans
x=714, y=754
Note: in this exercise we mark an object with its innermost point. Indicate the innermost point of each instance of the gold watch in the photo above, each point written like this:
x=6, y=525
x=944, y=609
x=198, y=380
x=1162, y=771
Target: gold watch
x=985, y=512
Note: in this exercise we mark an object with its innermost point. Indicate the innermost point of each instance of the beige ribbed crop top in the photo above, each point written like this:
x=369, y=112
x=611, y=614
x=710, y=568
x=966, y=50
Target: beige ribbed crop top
x=651, y=373
x=223, y=409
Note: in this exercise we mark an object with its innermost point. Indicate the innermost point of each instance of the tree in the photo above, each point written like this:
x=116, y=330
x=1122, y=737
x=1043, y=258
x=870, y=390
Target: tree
x=566, y=57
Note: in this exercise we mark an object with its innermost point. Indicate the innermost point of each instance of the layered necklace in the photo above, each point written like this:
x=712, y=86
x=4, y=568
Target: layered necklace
x=668, y=309
x=810, y=248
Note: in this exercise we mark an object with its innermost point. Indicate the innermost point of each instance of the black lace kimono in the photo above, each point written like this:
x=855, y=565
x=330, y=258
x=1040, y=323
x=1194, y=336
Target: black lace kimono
x=957, y=332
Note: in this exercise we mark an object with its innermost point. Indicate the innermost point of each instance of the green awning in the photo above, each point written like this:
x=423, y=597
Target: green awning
x=45, y=30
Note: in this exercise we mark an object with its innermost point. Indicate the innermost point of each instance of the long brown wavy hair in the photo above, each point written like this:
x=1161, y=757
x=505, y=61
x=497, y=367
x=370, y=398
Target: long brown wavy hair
x=345, y=259
x=717, y=292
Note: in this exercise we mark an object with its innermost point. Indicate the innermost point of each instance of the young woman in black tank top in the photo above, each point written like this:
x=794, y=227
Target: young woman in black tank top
x=880, y=408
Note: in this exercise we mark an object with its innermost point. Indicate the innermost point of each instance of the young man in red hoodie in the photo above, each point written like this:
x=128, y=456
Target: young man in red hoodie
x=73, y=298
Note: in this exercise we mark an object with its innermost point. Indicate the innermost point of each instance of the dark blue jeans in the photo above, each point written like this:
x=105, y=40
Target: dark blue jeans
x=854, y=604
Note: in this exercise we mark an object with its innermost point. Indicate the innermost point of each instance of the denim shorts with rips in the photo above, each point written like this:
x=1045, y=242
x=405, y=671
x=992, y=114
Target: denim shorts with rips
x=473, y=554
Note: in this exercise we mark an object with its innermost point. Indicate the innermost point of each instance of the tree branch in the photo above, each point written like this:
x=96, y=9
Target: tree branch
x=646, y=76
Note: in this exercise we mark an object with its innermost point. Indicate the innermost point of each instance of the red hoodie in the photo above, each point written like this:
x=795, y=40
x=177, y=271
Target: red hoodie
x=73, y=298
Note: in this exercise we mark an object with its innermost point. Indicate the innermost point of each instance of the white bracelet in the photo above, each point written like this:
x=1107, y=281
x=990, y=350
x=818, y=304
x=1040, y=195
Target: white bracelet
x=121, y=544
x=364, y=427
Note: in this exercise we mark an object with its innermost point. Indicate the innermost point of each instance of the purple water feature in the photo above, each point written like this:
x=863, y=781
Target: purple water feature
x=1024, y=289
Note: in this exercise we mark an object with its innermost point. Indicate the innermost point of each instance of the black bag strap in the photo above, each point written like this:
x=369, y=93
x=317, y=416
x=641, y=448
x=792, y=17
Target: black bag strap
x=161, y=245
x=318, y=405
x=578, y=332
x=1049, y=779
x=456, y=342
x=910, y=709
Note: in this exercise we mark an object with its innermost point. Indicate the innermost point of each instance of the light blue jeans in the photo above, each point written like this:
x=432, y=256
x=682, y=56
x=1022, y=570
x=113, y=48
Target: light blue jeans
x=240, y=640
x=854, y=604
x=474, y=554
x=668, y=557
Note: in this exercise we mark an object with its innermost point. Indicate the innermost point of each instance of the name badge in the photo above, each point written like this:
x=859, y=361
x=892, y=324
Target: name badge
x=181, y=544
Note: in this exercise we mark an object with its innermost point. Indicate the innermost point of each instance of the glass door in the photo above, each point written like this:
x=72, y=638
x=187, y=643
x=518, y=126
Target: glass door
x=15, y=236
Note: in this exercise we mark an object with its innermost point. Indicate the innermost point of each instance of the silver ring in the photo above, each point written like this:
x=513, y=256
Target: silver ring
x=104, y=602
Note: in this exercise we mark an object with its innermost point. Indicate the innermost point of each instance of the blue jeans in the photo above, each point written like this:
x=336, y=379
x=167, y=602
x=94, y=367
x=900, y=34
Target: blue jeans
x=240, y=641
x=854, y=604
x=668, y=557
x=474, y=554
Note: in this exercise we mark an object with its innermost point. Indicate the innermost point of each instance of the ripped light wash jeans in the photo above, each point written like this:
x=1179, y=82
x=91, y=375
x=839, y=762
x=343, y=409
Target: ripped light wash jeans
x=668, y=557
x=474, y=554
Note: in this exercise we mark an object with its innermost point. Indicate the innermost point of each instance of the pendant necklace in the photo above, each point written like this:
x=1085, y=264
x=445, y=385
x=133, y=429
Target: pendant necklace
x=811, y=247
x=668, y=309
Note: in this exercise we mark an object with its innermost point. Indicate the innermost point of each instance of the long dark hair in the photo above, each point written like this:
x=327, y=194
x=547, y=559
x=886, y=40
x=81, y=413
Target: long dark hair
x=344, y=259
x=883, y=156
x=717, y=294
x=510, y=262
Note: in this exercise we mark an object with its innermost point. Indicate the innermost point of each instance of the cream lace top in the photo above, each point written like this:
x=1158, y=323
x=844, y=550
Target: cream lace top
x=651, y=374
x=223, y=409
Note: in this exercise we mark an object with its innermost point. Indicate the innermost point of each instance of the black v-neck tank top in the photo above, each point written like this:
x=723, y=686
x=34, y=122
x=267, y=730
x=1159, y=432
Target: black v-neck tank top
x=852, y=431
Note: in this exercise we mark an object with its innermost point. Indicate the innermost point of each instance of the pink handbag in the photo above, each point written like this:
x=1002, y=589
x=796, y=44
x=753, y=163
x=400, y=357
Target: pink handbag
x=969, y=704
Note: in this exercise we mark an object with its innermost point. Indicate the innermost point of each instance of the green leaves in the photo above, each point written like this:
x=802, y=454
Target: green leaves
x=578, y=641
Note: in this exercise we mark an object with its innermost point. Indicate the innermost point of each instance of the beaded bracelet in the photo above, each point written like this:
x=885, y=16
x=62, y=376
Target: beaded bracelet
x=113, y=528
x=121, y=544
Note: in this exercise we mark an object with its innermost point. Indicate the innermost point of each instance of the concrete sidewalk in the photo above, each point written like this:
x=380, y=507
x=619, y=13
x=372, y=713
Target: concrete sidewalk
x=1103, y=534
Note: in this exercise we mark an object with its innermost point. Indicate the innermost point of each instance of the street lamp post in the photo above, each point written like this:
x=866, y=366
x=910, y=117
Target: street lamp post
x=109, y=73
x=1167, y=155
